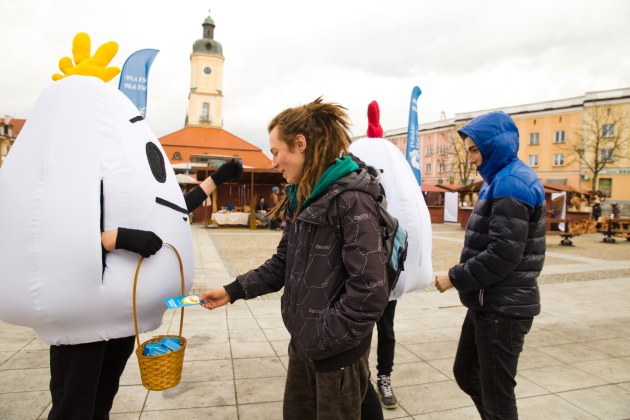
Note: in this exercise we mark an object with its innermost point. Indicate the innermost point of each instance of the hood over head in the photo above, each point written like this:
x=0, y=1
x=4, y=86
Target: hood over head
x=496, y=136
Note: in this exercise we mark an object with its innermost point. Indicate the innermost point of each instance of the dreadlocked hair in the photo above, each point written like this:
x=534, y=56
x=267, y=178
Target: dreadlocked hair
x=326, y=129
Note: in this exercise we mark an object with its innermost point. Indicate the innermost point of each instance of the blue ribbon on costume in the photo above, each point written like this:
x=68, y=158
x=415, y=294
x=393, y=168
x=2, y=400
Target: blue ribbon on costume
x=134, y=77
x=413, y=147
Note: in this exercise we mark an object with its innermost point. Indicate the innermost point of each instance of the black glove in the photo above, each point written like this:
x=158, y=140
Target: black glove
x=141, y=242
x=226, y=172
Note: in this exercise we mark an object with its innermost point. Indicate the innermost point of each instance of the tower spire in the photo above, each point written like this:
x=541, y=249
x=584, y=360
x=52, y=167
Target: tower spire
x=205, y=100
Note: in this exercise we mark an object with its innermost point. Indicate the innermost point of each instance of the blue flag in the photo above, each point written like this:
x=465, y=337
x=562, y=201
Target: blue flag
x=134, y=75
x=413, y=153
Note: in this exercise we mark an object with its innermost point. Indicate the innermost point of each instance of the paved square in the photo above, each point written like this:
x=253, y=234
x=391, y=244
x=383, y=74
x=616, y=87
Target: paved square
x=576, y=362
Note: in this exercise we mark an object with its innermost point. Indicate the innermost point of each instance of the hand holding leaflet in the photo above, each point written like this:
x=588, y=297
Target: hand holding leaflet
x=181, y=301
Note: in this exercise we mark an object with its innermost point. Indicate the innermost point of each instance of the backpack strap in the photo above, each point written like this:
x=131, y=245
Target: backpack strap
x=382, y=200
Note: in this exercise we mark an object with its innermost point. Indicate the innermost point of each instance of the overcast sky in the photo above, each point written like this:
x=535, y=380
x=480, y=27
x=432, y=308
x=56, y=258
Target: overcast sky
x=465, y=55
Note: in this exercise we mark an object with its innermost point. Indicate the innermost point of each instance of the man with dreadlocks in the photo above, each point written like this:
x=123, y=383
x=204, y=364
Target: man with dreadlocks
x=335, y=286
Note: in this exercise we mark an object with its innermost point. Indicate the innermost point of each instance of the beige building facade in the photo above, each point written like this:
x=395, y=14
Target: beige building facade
x=565, y=141
x=9, y=130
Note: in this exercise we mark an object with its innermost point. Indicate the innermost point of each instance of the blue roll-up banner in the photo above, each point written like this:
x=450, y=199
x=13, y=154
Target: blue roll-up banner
x=134, y=76
x=413, y=153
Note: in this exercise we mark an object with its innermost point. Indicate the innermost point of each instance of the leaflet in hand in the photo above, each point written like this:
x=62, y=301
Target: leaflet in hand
x=181, y=301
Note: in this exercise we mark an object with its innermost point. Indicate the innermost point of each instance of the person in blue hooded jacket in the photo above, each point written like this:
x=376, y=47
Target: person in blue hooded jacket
x=503, y=254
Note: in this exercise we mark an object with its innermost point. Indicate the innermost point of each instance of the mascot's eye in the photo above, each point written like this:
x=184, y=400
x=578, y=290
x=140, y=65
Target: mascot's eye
x=156, y=162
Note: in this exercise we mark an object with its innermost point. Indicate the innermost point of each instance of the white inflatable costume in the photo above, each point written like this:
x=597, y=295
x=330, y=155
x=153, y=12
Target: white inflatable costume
x=404, y=201
x=86, y=157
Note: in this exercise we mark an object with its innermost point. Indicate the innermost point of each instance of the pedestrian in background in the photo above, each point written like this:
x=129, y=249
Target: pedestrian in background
x=274, y=199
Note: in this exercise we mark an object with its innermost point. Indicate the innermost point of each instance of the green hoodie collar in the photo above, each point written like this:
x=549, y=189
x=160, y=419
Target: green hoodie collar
x=340, y=168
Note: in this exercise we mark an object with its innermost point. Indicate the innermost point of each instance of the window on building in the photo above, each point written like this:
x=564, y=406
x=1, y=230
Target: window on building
x=608, y=130
x=205, y=112
x=560, y=137
x=606, y=155
x=441, y=168
x=558, y=159
x=534, y=138
x=605, y=186
x=428, y=150
x=442, y=149
x=533, y=161
x=177, y=156
x=427, y=168
x=4, y=149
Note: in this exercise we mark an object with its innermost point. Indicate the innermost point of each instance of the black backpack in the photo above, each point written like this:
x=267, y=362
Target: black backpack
x=393, y=235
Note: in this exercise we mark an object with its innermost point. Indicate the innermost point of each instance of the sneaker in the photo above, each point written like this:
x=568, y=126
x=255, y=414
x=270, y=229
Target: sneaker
x=384, y=385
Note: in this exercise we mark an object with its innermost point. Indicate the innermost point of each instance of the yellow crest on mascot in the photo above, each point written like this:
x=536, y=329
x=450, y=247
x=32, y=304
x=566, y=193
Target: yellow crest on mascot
x=404, y=201
x=87, y=162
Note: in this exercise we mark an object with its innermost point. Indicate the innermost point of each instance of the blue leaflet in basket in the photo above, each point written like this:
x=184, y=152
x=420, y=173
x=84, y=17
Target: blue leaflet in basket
x=154, y=349
x=180, y=301
x=171, y=343
x=165, y=345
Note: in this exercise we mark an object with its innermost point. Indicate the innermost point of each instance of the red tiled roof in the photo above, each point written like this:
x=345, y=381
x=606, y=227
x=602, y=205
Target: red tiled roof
x=17, y=125
x=212, y=141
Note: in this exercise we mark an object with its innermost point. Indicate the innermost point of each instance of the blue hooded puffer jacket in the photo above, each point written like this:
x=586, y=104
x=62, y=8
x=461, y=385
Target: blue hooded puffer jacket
x=504, y=248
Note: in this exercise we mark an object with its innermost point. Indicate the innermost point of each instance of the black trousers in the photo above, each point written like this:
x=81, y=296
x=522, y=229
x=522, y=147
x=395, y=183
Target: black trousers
x=386, y=340
x=85, y=377
x=371, y=405
x=487, y=359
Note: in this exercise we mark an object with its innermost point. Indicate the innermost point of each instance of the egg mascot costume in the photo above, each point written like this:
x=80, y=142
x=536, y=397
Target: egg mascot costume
x=87, y=162
x=404, y=201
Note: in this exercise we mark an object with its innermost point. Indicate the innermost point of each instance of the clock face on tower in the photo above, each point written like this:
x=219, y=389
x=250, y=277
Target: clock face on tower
x=207, y=70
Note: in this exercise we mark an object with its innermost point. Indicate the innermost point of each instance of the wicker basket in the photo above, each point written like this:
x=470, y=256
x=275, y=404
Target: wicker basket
x=165, y=370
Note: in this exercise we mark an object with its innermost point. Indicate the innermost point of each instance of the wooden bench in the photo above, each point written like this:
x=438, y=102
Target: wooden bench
x=566, y=233
x=570, y=229
x=612, y=228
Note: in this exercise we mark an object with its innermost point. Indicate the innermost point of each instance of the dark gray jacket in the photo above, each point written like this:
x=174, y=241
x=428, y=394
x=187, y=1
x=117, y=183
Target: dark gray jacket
x=334, y=291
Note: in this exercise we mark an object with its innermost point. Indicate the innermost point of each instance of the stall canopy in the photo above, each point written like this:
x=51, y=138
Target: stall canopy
x=427, y=187
x=469, y=188
x=565, y=188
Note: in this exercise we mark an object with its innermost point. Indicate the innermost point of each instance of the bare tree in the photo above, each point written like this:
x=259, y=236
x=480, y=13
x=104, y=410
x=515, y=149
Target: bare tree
x=458, y=156
x=602, y=140
x=461, y=169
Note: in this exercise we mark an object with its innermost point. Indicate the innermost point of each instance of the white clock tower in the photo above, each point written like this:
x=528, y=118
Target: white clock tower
x=205, y=100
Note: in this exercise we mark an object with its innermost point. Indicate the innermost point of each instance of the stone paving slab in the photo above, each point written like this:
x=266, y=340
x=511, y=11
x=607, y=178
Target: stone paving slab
x=575, y=364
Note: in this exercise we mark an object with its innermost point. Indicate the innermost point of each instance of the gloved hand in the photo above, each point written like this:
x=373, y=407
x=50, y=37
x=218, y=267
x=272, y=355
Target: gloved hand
x=141, y=242
x=226, y=172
